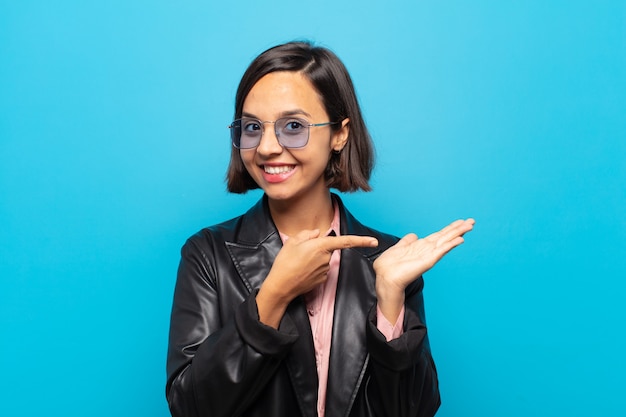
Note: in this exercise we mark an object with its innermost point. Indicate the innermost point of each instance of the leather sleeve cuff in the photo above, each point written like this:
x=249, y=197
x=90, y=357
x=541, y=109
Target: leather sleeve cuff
x=262, y=338
x=401, y=353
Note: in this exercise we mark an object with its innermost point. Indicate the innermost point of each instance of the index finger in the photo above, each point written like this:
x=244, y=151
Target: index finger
x=331, y=243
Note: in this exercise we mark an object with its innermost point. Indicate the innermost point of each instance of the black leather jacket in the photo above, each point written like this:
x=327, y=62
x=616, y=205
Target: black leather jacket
x=222, y=361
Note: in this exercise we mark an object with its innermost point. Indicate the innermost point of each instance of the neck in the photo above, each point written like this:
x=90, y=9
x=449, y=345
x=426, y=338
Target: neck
x=306, y=213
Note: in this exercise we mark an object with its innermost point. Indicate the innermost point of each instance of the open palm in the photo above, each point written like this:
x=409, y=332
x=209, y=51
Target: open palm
x=402, y=263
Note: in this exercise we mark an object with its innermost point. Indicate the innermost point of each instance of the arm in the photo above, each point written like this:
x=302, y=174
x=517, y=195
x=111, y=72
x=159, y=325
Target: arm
x=398, y=266
x=403, y=374
x=218, y=362
x=301, y=265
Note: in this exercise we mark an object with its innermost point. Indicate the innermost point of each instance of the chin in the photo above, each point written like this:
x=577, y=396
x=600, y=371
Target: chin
x=278, y=195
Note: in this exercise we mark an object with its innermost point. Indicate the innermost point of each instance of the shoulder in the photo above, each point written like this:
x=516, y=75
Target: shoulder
x=384, y=239
x=201, y=250
x=221, y=232
x=350, y=225
x=248, y=228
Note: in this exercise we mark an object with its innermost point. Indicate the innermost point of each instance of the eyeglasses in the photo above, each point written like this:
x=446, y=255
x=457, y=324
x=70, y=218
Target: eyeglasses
x=291, y=132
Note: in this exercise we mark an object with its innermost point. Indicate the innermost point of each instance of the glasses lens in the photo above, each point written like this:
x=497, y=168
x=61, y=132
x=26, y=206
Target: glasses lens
x=246, y=133
x=235, y=133
x=292, y=132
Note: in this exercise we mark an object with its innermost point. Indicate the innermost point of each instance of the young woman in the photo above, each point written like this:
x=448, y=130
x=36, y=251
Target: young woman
x=295, y=308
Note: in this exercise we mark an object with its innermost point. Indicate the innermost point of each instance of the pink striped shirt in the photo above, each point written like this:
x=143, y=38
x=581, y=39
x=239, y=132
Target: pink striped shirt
x=320, y=305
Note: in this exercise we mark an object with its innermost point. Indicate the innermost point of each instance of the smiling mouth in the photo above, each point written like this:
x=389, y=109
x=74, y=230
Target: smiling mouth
x=278, y=169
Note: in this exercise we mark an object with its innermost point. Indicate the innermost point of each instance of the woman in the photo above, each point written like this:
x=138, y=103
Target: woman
x=295, y=308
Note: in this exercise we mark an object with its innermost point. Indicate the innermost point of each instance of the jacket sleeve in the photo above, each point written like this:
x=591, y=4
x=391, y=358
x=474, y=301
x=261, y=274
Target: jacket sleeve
x=218, y=361
x=403, y=375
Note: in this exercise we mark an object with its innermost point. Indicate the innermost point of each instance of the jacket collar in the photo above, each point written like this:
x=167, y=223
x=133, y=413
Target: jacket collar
x=257, y=226
x=255, y=245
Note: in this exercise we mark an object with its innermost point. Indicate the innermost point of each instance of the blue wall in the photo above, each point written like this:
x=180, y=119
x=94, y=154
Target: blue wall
x=113, y=148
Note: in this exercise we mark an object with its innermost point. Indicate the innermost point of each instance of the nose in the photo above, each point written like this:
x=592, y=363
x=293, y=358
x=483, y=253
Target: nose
x=269, y=145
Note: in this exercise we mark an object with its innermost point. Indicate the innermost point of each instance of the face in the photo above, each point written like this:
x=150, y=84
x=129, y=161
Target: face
x=290, y=173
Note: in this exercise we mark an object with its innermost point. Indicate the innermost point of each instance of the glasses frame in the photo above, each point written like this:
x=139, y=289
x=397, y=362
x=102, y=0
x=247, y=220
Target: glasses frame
x=304, y=122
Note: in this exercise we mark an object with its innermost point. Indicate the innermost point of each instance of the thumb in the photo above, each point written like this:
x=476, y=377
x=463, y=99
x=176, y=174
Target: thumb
x=407, y=239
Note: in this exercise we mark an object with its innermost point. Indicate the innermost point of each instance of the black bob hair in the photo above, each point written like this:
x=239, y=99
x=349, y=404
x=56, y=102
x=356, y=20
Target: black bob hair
x=348, y=170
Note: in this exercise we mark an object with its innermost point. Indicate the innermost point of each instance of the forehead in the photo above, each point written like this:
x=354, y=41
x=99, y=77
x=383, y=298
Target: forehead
x=282, y=92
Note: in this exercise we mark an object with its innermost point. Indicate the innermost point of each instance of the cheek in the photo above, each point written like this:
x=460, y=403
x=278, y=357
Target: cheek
x=245, y=155
x=247, y=158
x=318, y=161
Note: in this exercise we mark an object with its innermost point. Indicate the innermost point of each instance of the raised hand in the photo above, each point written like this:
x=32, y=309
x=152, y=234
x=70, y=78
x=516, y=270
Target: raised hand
x=402, y=263
x=301, y=264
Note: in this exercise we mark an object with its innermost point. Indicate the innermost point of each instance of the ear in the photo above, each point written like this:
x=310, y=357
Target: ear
x=340, y=137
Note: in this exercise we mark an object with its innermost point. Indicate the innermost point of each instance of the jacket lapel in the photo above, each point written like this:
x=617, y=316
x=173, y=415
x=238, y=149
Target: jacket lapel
x=256, y=244
x=301, y=360
x=355, y=298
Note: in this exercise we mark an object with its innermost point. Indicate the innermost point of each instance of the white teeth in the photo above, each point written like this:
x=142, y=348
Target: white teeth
x=277, y=170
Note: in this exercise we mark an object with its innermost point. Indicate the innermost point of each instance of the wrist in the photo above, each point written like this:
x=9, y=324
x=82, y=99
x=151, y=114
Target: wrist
x=390, y=300
x=388, y=291
x=271, y=306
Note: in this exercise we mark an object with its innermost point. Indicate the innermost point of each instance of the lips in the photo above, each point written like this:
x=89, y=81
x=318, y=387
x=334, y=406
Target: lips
x=277, y=173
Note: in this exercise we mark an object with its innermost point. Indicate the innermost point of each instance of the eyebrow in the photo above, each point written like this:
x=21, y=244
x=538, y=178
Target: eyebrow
x=286, y=113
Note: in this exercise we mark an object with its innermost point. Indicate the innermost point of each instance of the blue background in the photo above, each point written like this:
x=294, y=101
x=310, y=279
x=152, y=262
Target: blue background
x=113, y=149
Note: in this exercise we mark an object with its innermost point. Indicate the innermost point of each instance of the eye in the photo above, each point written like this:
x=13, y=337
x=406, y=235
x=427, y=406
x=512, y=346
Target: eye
x=294, y=125
x=250, y=126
